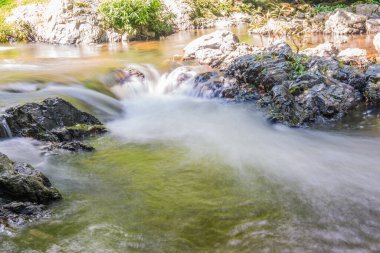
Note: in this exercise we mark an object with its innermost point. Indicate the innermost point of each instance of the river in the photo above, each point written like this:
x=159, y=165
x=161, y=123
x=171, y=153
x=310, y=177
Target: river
x=179, y=173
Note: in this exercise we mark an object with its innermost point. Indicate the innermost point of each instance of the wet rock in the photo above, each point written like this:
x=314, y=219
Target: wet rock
x=54, y=120
x=15, y=214
x=372, y=90
x=20, y=181
x=344, y=22
x=74, y=146
x=373, y=25
x=323, y=50
x=337, y=71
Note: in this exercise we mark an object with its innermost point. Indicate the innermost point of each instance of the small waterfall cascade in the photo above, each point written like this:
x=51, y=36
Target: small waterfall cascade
x=5, y=131
x=145, y=79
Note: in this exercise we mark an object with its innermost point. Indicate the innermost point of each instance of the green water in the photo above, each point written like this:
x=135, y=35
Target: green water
x=156, y=198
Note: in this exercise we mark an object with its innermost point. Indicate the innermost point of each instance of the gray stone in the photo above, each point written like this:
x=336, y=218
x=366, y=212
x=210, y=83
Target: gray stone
x=344, y=22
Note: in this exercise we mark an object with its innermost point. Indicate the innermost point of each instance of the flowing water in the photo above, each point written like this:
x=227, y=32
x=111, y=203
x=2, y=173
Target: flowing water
x=179, y=172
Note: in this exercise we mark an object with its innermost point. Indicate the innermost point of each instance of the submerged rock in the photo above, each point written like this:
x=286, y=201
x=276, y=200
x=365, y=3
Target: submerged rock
x=53, y=119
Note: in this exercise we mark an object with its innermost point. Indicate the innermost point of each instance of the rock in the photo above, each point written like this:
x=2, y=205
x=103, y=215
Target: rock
x=355, y=57
x=372, y=90
x=15, y=214
x=65, y=22
x=275, y=27
x=20, y=181
x=211, y=49
x=294, y=89
x=376, y=42
x=182, y=11
x=369, y=10
x=323, y=50
x=73, y=146
x=373, y=25
x=344, y=22
x=54, y=120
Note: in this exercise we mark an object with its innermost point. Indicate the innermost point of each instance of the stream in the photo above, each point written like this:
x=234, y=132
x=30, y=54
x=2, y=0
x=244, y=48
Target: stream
x=183, y=173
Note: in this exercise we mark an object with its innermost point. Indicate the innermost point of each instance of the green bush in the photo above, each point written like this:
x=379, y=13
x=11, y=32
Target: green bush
x=140, y=18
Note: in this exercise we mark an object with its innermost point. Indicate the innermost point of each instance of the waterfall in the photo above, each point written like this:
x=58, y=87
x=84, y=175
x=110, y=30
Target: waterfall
x=145, y=79
x=5, y=131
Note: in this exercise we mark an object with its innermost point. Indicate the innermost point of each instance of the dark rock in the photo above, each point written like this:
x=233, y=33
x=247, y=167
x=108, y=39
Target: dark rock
x=41, y=121
x=20, y=181
x=372, y=90
x=15, y=214
x=74, y=146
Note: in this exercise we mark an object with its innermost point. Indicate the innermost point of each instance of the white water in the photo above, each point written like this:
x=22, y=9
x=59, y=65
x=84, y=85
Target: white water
x=337, y=175
x=179, y=81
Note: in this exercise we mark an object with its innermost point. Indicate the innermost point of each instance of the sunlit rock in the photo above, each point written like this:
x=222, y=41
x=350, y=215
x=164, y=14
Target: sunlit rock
x=323, y=50
x=344, y=22
x=355, y=57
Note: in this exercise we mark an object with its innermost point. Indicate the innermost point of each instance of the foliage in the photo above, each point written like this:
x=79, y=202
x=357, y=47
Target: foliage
x=138, y=17
x=298, y=64
x=321, y=8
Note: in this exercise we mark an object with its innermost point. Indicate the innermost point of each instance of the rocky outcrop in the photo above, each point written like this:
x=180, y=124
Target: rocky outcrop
x=294, y=89
x=65, y=22
x=217, y=49
x=344, y=22
x=24, y=194
x=53, y=120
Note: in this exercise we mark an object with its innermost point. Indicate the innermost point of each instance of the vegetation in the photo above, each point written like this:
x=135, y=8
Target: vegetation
x=18, y=31
x=139, y=18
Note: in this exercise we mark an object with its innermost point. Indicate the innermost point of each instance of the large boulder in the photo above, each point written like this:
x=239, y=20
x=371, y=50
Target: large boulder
x=53, y=120
x=345, y=22
x=20, y=181
x=65, y=22
x=211, y=49
x=217, y=49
